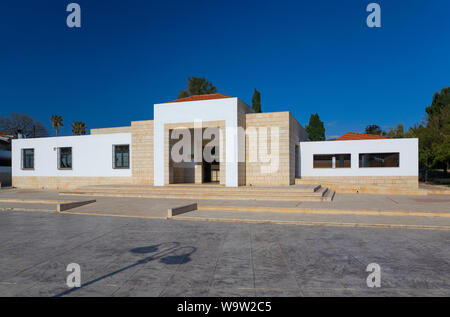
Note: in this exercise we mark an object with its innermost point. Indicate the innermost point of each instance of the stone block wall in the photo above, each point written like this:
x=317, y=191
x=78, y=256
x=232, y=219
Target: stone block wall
x=65, y=182
x=111, y=130
x=258, y=173
x=142, y=152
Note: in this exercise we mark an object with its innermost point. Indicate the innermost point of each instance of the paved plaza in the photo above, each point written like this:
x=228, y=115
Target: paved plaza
x=122, y=256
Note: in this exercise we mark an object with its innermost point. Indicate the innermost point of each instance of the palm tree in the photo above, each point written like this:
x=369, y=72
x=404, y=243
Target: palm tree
x=79, y=128
x=56, y=122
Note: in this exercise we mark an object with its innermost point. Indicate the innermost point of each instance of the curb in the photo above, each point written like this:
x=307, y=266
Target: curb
x=326, y=211
x=320, y=224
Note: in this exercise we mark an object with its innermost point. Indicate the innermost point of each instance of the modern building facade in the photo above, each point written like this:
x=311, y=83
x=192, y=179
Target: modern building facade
x=213, y=139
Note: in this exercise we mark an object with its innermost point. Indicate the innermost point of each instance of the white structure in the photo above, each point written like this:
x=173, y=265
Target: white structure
x=142, y=153
x=92, y=156
x=407, y=150
x=203, y=111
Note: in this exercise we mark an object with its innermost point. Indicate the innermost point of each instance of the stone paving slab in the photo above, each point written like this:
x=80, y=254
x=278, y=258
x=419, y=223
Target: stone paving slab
x=131, y=207
x=310, y=219
x=119, y=206
x=31, y=207
x=430, y=203
x=150, y=257
x=33, y=194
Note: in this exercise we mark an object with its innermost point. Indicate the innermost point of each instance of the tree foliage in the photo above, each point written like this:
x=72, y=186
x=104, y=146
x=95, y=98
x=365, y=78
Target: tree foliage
x=315, y=128
x=434, y=133
x=256, y=101
x=375, y=130
x=56, y=122
x=197, y=86
x=17, y=123
x=79, y=128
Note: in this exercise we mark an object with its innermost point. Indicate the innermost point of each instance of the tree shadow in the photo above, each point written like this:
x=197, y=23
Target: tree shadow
x=170, y=253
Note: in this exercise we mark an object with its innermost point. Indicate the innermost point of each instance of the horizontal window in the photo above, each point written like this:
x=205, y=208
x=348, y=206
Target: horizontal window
x=121, y=156
x=65, y=158
x=27, y=158
x=332, y=161
x=374, y=160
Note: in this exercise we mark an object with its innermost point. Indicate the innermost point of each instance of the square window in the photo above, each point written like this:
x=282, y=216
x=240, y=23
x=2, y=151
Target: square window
x=27, y=159
x=121, y=156
x=65, y=158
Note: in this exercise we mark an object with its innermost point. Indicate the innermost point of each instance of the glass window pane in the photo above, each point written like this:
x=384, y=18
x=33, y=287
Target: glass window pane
x=343, y=161
x=326, y=161
x=323, y=161
x=121, y=156
x=65, y=157
x=28, y=158
x=377, y=160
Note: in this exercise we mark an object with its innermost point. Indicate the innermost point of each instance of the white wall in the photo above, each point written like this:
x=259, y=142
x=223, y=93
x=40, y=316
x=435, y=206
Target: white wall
x=91, y=155
x=205, y=110
x=408, y=149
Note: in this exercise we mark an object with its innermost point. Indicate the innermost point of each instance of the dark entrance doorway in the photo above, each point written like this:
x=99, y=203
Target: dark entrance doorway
x=211, y=170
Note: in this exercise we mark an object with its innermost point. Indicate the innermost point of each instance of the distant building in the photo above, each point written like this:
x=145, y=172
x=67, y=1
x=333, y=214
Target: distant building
x=5, y=158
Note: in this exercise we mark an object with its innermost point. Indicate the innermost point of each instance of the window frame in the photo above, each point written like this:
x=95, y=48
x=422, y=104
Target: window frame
x=377, y=153
x=59, y=158
x=114, y=157
x=23, y=159
x=335, y=155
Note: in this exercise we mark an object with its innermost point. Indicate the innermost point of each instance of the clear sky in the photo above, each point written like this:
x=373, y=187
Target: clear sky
x=303, y=56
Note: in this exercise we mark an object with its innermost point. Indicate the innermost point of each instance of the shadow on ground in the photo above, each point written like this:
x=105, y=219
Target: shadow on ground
x=170, y=253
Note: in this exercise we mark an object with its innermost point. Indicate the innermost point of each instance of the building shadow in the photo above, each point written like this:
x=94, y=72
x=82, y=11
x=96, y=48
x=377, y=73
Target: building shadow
x=170, y=253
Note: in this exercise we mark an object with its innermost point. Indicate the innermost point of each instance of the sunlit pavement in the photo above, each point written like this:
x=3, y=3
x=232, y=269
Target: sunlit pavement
x=146, y=257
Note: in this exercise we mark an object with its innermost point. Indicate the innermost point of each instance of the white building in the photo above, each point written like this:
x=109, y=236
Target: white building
x=212, y=139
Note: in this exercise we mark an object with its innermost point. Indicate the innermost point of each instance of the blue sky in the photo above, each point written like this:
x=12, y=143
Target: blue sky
x=303, y=56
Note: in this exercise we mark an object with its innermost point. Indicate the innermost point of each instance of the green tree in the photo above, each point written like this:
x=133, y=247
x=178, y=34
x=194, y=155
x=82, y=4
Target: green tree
x=434, y=133
x=56, y=122
x=440, y=101
x=375, y=130
x=397, y=132
x=315, y=128
x=256, y=101
x=197, y=86
x=79, y=128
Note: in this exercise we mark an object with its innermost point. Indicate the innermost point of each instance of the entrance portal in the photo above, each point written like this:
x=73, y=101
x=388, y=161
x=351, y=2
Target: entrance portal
x=183, y=167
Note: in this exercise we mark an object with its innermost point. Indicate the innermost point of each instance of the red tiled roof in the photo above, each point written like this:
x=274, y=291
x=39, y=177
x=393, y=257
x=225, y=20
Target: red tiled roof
x=360, y=136
x=202, y=97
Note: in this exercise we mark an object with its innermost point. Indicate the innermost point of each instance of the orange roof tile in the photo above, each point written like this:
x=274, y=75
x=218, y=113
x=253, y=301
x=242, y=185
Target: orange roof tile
x=202, y=97
x=360, y=136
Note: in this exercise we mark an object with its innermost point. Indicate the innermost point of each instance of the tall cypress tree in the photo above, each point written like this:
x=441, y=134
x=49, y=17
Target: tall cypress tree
x=315, y=128
x=256, y=101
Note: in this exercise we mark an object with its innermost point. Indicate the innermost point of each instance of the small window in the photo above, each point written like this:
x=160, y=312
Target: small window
x=65, y=158
x=377, y=160
x=27, y=159
x=332, y=161
x=121, y=156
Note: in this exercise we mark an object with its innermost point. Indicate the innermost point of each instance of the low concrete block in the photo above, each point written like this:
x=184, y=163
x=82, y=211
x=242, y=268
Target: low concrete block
x=180, y=210
x=69, y=205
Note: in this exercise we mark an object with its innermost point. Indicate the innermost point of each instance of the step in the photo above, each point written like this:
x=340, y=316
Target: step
x=319, y=193
x=201, y=196
x=173, y=188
